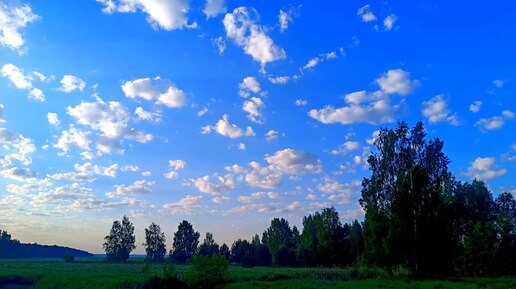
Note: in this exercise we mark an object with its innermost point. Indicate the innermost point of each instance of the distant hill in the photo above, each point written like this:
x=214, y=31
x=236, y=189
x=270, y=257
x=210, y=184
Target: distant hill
x=12, y=248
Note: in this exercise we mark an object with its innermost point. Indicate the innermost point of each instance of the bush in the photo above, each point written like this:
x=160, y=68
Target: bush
x=207, y=272
x=68, y=258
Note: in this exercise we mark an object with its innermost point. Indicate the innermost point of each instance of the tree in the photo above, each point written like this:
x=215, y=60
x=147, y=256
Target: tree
x=185, y=242
x=155, y=243
x=120, y=241
x=505, y=208
x=356, y=238
x=406, y=202
x=279, y=235
x=208, y=247
x=224, y=252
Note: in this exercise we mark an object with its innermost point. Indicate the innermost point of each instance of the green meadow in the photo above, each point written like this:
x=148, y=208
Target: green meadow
x=96, y=274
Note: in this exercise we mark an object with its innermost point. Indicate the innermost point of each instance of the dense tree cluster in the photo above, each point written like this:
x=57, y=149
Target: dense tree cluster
x=417, y=215
x=12, y=248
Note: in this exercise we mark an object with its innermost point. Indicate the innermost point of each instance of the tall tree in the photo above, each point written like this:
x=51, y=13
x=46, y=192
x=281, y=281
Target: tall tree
x=155, y=243
x=406, y=202
x=185, y=242
x=209, y=247
x=121, y=240
x=278, y=236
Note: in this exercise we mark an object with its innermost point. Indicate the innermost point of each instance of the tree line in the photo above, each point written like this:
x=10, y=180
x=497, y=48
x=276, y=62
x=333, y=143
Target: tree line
x=418, y=216
x=13, y=248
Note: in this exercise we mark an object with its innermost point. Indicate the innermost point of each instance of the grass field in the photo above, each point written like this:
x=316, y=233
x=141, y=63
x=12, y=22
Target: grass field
x=95, y=274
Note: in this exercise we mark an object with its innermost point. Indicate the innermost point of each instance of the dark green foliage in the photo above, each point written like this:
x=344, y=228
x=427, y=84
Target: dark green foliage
x=120, y=241
x=155, y=243
x=68, y=258
x=185, y=243
x=207, y=272
x=208, y=247
x=279, y=236
x=250, y=254
x=224, y=252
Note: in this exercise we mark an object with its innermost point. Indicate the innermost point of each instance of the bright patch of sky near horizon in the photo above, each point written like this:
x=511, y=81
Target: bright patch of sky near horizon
x=230, y=114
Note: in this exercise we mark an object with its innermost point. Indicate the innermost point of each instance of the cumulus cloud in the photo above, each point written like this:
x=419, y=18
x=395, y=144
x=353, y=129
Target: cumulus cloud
x=186, y=205
x=475, y=106
x=212, y=8
x=372, y=108
x=494, y=122
x=220, y=200
x=241, y=26
x=253, y=107
x=22, y=81
x=70, y=83
x=284, y=18
x=345, y=148
x=53, y=119
x=129, y=169
x=167, y=15
x=138, y=187
x=485, y=169
x=249, y=85
x=161, y=91
x=13, y=18
x=290, y=161
x=111, y=119
x=73, y=137
x=174, y=165
x=19, y=174
x=366, y=14
x=388, y=22
x=301, y=102
x=227, y=129
x=221, y=185
x=142, y=114
x=330, y=185
x=279, y=79
x=271, y=135
x=19, y=148
x=436, y=110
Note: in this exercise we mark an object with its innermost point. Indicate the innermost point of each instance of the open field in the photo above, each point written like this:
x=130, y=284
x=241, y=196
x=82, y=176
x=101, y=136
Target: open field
x=93, y=273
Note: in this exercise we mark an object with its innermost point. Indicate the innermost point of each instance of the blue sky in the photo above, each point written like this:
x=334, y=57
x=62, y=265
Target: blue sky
x=230, y=114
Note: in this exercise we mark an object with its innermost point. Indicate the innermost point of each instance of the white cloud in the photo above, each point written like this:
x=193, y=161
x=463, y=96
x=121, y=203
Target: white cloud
x=301, y=102
x=330, y=185
x=475, y=106
x=36, y=94
x=221, y=185
x=366, y=14
x=284, y=19
x=290, y=161
x=146, y=173
x=162, y=91
x=485, y=169
x=279, y=79
x=19, y=174
x=499, y=83
x=225, y=128
x=436, y=110
x=97, y=170
x=373, y=108
x=70, y=83
x=494, y=122
x=249, y=85
x=202, y=112
x=271, y=135
x=242, y=28
x=345, y=148
x=174, y=165
x=186, y=205
x=129, y=169
x=220, y=43
x=73, y=137
x=397, y=81
x=142, y=114
x=213, y=8
x=167, y=15
x=253, y=107
x=111, y=119
x=241, y=146
x=220, y=200
x=388, y=22
x=311, y=63
x=53, y=119
x=13, y=17
x=138, y=187
x=19, y=148
x=16, y=76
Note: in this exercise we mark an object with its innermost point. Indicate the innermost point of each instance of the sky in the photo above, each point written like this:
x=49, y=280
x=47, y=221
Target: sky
x=230, y=113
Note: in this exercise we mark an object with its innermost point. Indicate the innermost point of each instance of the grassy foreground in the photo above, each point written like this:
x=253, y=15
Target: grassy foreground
x=92, y=273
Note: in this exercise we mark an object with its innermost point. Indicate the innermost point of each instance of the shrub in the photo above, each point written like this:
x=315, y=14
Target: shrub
x=69, y=258
x=207, y=272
